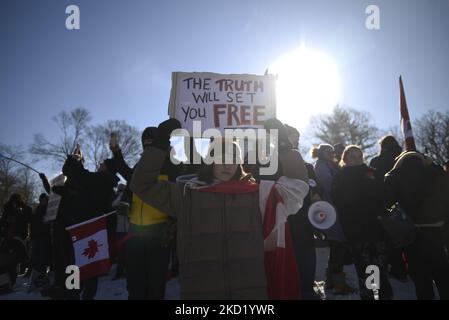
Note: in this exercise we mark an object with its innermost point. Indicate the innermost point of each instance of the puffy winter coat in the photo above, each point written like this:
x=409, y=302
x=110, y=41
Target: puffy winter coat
x=220, y=239
x=359, y=199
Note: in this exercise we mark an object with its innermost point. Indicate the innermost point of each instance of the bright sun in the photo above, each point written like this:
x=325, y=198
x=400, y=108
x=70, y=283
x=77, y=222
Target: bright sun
x=307, y=84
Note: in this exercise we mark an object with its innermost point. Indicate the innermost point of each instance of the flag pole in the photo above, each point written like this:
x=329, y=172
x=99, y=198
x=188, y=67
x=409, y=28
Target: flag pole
x=23, y=164
x=406, y=125
x=90, y=220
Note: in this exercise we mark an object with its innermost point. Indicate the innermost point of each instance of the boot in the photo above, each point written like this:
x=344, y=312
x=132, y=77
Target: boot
x=339, y=284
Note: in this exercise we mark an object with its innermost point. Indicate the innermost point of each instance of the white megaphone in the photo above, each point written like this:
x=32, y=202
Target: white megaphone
x=322, y=215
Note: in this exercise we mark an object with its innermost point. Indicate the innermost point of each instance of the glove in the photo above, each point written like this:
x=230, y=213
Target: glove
x=162, y=141
x=42, y=176
x=284, y=145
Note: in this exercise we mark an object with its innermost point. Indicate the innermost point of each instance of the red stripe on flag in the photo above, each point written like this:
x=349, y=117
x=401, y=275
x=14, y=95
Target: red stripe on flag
x=280, y=264
x=95, y=269
x=406, y=125
x=88, y=229
x=281, y=271
x=270, y=212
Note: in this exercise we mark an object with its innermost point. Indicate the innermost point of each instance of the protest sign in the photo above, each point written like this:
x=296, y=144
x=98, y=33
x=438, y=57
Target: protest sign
x=222, y=101
x=54, y=199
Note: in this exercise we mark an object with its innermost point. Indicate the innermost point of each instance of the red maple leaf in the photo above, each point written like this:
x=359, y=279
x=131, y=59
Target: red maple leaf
x=92, y=249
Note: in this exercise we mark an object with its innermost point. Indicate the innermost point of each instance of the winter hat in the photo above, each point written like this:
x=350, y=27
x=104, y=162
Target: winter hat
x=149, y=133
x=409, y=155
x=43, y=196
x=229, y=149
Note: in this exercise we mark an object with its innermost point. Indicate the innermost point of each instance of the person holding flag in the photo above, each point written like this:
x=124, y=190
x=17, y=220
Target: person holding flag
x=85, y=196
x=418, y=186
x=232, y=232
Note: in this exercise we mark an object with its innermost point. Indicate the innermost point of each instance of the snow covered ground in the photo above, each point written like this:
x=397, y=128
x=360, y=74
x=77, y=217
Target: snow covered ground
x=116, y=290
x=402, y=291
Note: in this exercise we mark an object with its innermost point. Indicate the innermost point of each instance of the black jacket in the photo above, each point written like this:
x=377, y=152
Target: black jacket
x=384, y=163
x=14, y=220
x=38, y=228
x=85, y=195
x=421, y=190
x=359, y=199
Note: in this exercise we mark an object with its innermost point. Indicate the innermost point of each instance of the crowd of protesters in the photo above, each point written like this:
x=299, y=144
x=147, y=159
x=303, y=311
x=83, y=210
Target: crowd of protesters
x=205, y=222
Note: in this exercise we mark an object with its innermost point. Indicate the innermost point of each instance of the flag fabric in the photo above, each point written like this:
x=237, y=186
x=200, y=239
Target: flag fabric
x=406, y=126
x=278, y=200
x=232, y=187
x=90, y=245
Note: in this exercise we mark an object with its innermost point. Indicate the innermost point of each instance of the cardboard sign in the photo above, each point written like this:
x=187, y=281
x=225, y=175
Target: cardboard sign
x=222, y=101
x=54, y=199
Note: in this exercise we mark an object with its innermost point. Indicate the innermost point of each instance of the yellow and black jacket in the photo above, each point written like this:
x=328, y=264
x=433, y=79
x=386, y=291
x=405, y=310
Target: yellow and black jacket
x=142, y=214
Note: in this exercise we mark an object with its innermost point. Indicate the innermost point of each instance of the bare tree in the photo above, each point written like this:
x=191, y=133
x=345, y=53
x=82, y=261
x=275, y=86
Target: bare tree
x=347, y=126
x=432, y=135
x=97, y=142
x=29, y=185
x=13, y=177
x=8, y=177
x=73, y=125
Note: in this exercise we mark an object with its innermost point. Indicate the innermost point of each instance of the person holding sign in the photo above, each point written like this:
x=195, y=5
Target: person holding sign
x=221, y=232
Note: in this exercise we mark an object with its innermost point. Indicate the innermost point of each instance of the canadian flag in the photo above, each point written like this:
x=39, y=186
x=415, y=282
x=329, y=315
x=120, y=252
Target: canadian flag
x=406, y=125
x=90, y=244
x=278, y=200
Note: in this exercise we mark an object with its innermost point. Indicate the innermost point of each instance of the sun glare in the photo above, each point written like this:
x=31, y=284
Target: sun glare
x=307, y=84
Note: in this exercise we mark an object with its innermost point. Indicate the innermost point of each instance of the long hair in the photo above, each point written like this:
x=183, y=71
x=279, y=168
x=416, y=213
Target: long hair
x=318, y=152
x=206, y=171
x=348, y=149
x=389, y=144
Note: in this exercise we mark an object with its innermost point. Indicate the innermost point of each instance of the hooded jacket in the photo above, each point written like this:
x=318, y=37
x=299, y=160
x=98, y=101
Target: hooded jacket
x=325, y=172
x=420, y=188
x=85, y=195
x=220, y=238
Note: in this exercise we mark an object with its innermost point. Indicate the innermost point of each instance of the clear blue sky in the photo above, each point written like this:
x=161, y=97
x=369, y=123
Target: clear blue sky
x=119, y=64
